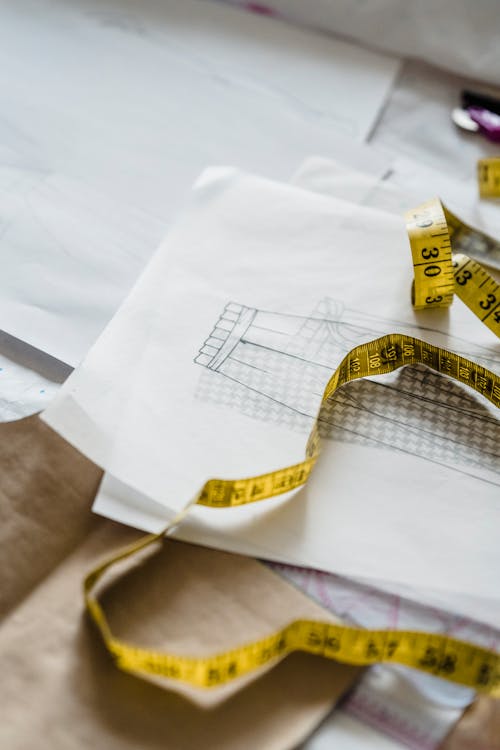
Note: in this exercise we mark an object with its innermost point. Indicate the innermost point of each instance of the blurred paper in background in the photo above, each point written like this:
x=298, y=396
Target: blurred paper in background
x=111, y=109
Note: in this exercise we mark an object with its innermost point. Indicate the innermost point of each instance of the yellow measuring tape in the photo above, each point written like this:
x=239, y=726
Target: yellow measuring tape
x=488, y=177
x=439, y=273
x=432, y=232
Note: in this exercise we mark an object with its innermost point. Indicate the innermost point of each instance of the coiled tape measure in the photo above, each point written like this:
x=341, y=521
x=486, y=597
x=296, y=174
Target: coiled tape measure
x=439, y=273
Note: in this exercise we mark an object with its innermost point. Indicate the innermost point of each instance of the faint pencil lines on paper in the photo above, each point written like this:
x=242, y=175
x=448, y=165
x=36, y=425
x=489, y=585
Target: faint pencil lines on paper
x=274, y=366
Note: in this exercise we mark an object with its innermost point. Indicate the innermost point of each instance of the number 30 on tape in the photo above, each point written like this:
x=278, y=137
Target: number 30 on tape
x=440, y=273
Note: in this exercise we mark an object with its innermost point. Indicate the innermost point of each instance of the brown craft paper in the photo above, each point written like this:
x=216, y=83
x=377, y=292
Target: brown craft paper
x=46, y=489
x=478, y=728
x=59, y=689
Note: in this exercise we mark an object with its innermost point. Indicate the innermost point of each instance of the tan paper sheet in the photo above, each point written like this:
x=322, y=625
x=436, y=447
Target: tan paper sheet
x=60, y=691
x=59, y=688
x=478, y=729
x=46, y=489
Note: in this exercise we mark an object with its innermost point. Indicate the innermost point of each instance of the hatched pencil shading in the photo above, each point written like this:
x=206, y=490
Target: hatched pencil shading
x=274, y=367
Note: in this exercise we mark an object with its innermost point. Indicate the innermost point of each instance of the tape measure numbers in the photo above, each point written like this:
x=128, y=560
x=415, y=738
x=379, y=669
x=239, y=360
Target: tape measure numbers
x=440, y=272
x=488, y=177
x=478, y=290
x=430, y=243
x=443, y=657
x=433, y=653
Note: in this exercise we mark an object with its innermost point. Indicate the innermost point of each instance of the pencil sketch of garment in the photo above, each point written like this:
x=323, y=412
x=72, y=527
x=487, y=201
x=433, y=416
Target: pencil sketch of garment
x=274, y=367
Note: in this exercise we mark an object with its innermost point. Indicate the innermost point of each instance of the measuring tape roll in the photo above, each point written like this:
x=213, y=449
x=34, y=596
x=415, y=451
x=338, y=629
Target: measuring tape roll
x=435, y=654
x=439, y=273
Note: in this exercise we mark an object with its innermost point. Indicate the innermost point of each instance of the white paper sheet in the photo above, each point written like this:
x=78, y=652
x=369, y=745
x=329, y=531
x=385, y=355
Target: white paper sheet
x=29, y=379
x=454, y=34
x=342, y=731
x=417, y=121
x=405, y=184
x=110, y=108
x=392, y=189
x=141, y=407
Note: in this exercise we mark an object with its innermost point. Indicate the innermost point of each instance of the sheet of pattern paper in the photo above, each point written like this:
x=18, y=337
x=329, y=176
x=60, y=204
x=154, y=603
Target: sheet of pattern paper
x=102, y=138
x=452, y=35
x=216, y=364
x=416, y=712
x=415, y=709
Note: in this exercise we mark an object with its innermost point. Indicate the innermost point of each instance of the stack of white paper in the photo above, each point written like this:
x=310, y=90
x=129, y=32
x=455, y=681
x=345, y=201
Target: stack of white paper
x=215, y=365
x=111, y=108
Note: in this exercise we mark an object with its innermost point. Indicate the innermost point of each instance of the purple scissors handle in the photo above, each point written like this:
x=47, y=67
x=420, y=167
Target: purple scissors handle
x=488, y=122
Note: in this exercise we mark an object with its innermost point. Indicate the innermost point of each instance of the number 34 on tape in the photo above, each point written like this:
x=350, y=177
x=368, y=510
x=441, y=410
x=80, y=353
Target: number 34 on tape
x=440, y=273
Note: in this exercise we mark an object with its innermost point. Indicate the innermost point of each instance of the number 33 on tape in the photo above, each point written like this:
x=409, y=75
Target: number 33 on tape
x=440, y=273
